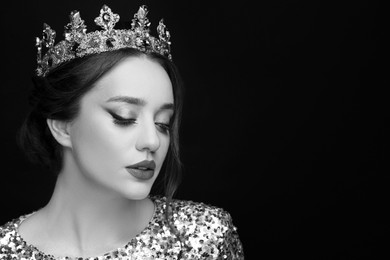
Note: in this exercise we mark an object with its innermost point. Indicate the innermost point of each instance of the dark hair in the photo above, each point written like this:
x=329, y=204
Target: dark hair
x=57, y=96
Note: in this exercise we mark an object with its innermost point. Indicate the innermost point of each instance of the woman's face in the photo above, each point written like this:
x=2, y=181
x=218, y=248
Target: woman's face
x=124, y=120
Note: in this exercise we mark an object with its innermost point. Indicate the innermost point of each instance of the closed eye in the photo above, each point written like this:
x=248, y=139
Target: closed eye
x=122, y=121
x=164, y=128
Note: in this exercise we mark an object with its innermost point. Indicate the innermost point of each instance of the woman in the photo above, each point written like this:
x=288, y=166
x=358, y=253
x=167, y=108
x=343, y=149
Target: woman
x=105, y=114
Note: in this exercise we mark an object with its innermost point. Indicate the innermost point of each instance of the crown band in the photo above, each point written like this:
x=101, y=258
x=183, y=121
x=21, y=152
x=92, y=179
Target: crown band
x=79, y=43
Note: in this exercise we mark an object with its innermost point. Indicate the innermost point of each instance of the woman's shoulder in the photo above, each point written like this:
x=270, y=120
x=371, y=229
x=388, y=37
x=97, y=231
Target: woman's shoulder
x=205, y=226
x=9, y=238
x=202, y=217
x=10, y=226
x=197, y=212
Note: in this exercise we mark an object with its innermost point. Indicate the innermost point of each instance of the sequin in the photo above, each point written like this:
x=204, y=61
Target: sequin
x=205, y=231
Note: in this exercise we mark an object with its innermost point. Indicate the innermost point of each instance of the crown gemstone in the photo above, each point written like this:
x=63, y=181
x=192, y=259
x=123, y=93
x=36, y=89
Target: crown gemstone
x=142, y=12
x=75, y=46
x=139, y=42
x=50, y=61
x=126, y=39
x=94, y=42
x=48, y=36
x=110, y=42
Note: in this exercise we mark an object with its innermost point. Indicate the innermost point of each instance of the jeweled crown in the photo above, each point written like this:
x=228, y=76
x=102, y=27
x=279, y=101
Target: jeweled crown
x=79, y=43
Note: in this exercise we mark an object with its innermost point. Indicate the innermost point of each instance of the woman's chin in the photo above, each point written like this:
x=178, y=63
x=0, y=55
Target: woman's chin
x=138, y=194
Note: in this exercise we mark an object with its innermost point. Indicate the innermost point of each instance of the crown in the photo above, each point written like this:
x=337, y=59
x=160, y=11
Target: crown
x=79, y=43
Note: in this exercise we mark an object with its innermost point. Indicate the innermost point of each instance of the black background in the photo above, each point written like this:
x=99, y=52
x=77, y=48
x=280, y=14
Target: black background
x=284, y=117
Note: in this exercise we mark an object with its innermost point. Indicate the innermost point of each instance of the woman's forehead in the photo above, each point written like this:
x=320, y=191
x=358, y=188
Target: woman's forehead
x=136, y=77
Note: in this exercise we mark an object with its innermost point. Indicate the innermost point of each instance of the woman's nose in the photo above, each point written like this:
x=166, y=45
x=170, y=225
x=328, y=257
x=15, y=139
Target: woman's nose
x=148, y=138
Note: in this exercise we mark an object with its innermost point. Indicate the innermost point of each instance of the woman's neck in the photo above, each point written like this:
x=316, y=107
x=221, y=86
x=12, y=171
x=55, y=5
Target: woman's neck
x=89, y=219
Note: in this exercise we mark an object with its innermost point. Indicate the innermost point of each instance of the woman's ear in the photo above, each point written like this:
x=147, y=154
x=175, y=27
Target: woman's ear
x=60, y=131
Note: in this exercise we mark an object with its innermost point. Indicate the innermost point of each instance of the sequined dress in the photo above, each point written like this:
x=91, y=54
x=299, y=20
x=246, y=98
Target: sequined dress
x=207, y=232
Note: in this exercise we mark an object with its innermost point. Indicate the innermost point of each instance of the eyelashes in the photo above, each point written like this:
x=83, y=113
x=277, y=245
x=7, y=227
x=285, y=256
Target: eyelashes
x=123, y=122
x=164, y=128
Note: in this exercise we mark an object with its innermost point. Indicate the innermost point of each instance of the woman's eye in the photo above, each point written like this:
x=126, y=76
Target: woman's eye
x=122, y=121
x=164, y=128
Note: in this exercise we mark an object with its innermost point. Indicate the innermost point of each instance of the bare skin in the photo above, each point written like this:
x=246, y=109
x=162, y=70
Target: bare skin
x=97, y=206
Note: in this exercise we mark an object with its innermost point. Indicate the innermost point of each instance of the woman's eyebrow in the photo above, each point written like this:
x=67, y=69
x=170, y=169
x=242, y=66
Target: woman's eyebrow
x=167, y=106
x=127, y=99
x=138, y=102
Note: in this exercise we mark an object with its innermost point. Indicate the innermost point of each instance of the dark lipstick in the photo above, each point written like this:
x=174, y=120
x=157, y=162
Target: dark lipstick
x=143, y=170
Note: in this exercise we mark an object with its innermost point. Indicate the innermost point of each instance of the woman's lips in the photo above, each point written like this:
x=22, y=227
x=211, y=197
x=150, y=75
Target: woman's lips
x=143, y=170
x=141, y=174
